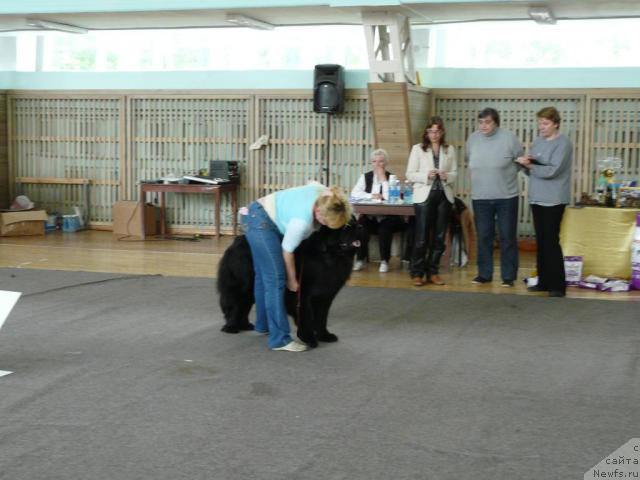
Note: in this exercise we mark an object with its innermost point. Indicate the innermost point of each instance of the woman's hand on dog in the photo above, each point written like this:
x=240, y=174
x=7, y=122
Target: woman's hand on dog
x=290, y=267
x=293, y=285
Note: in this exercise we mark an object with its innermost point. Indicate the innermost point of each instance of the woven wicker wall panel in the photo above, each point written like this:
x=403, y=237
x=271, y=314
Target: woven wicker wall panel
x=459, y=111
x=67, y=137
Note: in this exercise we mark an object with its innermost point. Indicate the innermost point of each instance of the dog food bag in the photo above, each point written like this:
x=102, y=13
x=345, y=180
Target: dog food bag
x=635, y=275
x=614, y=285
x=591, y=282
x=573, y=270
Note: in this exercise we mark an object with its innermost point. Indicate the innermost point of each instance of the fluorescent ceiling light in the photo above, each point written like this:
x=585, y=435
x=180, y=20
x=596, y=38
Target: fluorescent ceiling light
x=62, y=27
x=244, y=21
x=542, y=15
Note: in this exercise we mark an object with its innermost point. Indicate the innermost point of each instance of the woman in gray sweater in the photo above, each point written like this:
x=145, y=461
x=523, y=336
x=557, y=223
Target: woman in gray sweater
x=491, y=152
x=548, y=165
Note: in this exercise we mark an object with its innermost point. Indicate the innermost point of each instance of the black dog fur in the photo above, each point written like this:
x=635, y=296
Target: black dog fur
x=324, y=261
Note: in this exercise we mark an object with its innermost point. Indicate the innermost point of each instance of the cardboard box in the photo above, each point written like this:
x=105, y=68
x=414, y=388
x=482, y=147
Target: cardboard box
x=26, y=222
x=127, y=219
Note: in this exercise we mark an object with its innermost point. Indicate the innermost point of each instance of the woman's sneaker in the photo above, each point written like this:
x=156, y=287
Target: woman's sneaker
x=357, y=265
x=384, y=267
x=292, y=346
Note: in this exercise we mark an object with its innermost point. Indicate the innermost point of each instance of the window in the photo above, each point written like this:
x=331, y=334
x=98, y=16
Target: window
x=525, y=44
x=285, y=48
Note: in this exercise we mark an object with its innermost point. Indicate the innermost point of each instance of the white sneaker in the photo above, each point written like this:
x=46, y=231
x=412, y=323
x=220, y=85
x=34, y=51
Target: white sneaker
x=358, y=265
x=292, y=346
x=384, y=267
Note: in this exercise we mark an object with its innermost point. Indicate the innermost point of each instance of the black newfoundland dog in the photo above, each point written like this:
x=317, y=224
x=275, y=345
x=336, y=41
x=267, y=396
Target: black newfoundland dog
x=324, y=261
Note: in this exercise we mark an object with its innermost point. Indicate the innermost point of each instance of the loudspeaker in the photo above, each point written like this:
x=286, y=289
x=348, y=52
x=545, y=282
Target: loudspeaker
x=328, y=89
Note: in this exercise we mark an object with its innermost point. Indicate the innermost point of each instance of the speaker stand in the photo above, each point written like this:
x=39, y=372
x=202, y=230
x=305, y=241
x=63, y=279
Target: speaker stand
x=327, y=152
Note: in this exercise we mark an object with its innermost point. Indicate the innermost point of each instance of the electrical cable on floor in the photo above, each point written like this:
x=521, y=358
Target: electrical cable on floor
x=96, y=282
x=194, y=238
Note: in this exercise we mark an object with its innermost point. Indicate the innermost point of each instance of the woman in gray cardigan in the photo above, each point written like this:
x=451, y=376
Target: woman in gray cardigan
x=548, y=165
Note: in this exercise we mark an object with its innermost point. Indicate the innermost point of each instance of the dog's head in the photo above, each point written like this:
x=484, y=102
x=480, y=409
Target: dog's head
x=343, y=241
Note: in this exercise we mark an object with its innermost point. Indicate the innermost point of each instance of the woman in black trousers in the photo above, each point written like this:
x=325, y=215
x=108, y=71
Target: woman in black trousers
x=432, y=168
x=548, y=165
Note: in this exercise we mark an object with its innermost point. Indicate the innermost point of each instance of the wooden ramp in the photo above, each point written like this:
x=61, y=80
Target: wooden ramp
x=399, y=113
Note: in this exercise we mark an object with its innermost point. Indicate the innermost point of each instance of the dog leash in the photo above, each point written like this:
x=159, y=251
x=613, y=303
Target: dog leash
x=299, y=294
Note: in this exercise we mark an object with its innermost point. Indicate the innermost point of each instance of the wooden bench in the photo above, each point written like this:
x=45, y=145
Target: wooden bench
x=20, y=181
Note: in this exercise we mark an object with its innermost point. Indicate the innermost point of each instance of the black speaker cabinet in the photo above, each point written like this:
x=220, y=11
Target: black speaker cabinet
x=328, y=89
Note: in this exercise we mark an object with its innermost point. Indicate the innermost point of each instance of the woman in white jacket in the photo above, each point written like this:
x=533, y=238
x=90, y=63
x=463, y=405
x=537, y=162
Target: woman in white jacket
x=432, y=168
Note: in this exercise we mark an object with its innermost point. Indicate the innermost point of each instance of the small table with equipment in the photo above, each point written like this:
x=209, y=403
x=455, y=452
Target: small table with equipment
x=216, y=190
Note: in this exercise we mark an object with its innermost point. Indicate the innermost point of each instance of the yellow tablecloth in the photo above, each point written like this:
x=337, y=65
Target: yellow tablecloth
x=602, y=236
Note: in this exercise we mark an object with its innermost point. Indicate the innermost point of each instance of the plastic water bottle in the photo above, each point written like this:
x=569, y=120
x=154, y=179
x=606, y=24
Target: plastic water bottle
x=408, y=192
x=394, y=189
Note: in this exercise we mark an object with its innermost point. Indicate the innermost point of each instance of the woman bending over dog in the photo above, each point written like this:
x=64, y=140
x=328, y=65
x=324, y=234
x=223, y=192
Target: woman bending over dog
x=276, y=225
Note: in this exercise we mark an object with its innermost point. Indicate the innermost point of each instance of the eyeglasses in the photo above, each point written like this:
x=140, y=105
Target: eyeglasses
x=435, y=132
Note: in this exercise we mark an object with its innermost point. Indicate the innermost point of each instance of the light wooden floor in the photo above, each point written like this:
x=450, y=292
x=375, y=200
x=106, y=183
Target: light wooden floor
x=99, y=251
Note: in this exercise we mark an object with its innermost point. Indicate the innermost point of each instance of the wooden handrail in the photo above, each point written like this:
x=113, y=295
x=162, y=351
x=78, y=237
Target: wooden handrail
x=54, y=180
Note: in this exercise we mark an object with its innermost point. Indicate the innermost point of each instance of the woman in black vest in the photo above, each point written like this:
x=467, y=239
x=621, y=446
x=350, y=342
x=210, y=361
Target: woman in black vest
x=374, y=185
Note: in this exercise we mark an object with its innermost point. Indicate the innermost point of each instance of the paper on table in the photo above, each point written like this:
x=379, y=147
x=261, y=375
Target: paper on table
x=365, y=200
x=7, y=302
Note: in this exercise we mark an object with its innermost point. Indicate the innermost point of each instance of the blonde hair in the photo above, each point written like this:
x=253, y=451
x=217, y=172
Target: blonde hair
x=380, y=152
x=334, y=208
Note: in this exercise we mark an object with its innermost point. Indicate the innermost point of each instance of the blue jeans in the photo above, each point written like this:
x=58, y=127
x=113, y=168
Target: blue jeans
x=265, y=241
x=504, y=212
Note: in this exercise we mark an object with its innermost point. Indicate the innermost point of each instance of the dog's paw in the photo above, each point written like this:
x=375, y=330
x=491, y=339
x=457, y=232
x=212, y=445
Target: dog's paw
x=311, y=342
x=229, y=329
x=327, y=337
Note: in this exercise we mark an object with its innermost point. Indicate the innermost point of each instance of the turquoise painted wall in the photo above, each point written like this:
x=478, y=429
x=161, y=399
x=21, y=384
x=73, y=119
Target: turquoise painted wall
x=627, y=77
x=301, y=79
x=272, y=79
x=65, y=6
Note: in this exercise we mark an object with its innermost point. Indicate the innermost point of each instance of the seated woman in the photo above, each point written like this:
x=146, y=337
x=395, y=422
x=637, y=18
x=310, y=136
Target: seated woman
x=374, y=185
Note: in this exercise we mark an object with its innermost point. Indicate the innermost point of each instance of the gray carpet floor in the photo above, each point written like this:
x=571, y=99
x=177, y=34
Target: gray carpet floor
x=124, y=377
